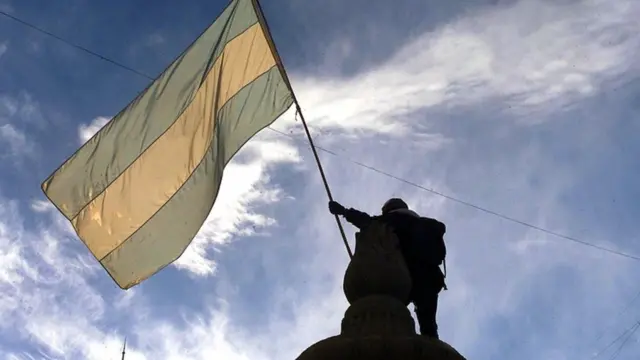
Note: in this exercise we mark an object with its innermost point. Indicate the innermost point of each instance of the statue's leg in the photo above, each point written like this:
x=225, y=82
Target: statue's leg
x=425, y=302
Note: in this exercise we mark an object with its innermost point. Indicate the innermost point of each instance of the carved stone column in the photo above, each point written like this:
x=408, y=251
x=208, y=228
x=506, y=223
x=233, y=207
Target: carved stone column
x=377, y=324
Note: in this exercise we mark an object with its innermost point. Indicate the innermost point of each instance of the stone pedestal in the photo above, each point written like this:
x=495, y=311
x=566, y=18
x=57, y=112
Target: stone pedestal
x=377, y=324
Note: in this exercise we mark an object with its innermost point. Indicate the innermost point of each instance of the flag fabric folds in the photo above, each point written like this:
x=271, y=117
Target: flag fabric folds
x=139, y=190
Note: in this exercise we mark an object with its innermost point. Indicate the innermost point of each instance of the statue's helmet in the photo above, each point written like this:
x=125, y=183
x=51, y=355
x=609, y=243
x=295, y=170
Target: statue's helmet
x=394, y=204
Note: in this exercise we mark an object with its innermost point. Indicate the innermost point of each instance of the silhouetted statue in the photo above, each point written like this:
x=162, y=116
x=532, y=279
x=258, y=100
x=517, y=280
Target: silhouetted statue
x=422, y=245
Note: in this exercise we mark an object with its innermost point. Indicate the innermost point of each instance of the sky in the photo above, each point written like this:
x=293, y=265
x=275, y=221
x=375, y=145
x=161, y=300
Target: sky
x=528, y=108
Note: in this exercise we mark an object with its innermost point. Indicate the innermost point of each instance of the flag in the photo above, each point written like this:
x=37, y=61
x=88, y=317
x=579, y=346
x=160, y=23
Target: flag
x=138, y=192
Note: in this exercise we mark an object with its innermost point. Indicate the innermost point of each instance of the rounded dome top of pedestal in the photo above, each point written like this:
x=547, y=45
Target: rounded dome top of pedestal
x=381, y=348
x=377, y=266
x=378, y=324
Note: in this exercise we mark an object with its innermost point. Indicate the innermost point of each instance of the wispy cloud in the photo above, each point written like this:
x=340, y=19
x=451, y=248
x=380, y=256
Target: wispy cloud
x=246, y=186
x=4, y=46
x=15, y=141
x=17, y=114
x=21, y=111
x=52, y=293
x=561, y=54
x=155, y=40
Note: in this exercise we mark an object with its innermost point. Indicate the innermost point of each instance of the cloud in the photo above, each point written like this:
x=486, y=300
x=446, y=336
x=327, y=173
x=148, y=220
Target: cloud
x=49, y=298
x=560, y=55
x=18, y=116
x=15, y=140
x=245, y=186
x=155, y=40
x=86, y=132
x=41, y=206
x=21, y=110
x=3, y=48
x=10, y=250
x=8, y=108
x=52, y=293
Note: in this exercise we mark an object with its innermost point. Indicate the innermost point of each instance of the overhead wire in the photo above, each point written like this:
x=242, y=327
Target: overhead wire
x=77, y=46
x=358, y=163
x=622, y=312
x=466, y=203
x=626, y=340
x=610, y=344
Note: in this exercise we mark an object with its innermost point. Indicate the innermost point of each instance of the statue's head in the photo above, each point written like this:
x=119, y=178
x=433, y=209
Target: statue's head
x=394, y=204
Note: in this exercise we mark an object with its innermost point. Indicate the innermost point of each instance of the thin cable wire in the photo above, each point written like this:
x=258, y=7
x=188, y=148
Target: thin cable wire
x=625, y=332
x=466, y=203
x=622, y=312
x=619, y=349
x=79, y=47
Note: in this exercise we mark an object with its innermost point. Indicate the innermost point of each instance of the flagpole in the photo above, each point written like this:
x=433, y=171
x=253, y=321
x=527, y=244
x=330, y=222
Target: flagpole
x=283, y=72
